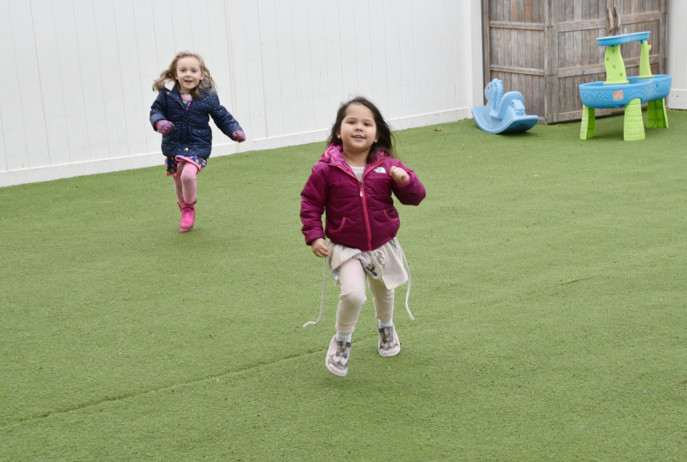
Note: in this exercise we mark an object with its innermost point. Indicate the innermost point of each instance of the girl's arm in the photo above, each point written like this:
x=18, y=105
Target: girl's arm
x=158, y=110
x=412, y=192
x=224, y=120
x=313, y=200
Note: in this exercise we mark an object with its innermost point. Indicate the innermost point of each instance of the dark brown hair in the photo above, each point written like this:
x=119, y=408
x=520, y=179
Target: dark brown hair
x=385, y=139
x=206, y=85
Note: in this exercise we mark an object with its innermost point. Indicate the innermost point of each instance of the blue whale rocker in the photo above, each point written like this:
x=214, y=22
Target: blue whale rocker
x=503, y=113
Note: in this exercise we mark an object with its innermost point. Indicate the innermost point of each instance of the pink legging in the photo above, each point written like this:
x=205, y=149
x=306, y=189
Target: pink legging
x=352, y=277
x=185, y=182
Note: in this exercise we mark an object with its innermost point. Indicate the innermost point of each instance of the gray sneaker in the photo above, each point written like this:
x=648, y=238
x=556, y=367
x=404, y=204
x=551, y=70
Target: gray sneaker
x=389, y=345
x=337, y=357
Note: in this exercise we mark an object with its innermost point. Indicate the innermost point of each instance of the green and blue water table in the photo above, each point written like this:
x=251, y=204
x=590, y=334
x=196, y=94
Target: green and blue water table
x=629, y=92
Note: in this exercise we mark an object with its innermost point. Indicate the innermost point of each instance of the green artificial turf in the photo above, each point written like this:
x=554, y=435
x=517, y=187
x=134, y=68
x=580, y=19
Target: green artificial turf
x=548, y=286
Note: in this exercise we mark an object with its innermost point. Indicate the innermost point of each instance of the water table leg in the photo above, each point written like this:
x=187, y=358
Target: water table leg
x=588, y=126
x=634, y=123
x=656, y=114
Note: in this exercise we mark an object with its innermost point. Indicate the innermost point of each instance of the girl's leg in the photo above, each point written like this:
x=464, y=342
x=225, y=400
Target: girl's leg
x=188, y=181
x=178, y=189
x=352, y=298
x=383, y=299
x=388, y=345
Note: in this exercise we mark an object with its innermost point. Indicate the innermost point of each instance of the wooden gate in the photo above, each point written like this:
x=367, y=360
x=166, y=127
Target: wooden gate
x=546, y=48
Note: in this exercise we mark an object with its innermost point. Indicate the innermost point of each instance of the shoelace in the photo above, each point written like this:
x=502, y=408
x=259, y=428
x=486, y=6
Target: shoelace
x=387, y=337
x=341, y=350
x=324, y=289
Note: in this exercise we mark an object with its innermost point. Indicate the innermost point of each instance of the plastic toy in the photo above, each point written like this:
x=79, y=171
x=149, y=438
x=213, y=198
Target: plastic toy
x=629, y=92
x=503, y=113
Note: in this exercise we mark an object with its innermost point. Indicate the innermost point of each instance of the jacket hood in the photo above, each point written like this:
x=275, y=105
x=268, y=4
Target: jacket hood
x=333, y=155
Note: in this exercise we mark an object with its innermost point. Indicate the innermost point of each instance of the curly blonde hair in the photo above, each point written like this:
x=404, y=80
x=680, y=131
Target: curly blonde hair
x=206, y=85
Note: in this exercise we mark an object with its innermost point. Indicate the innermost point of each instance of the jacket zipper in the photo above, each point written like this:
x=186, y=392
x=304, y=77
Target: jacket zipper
x=365, y=217
x=185, y=112
x=363, y=200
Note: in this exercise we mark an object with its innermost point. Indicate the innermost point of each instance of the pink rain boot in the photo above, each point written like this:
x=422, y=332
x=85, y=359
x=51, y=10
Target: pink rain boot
x=188, y=215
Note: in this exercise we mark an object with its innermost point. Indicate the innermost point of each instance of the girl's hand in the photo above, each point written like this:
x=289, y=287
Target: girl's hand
x=164, y=126
x=320, y=248
x=399, y=175
x=238, y=136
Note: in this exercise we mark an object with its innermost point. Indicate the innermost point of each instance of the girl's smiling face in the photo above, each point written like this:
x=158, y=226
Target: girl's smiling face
x=358, y=130
x=188, y=73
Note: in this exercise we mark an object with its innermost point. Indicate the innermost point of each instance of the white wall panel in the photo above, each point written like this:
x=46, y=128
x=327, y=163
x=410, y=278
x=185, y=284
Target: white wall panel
x=347, y=43
x=334, y=57
x=111, y=74
x=165, y=43
x=197, y=25
x=3, y=154
x=285, y=77
x=392, y=50
x=180, y=11
x=269, y=49
x=51, y=86
x=72, y=84
x=132, y=99
x=32, y=109
x=361, y=45
x=677, y=58
x=149, y=68
x=420, y=49
x=303, y=70
x=408, y=58
x=318, y=61
x=15, y=153
x=79, y=94
x=219, y=55
x=378, y=61
x=248, y=105
x=96, y=128
x=435, y=57
x=449, y=57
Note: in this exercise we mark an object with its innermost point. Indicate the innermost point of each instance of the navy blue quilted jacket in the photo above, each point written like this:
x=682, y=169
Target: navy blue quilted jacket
x=191, y=135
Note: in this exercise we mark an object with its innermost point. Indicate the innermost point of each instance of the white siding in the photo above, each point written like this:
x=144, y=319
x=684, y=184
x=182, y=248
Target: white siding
x=677, y=58
x=77, y=86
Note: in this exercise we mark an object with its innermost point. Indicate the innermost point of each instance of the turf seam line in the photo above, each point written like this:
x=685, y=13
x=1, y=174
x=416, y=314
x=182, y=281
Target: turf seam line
x=576, y=280
x=58, y=412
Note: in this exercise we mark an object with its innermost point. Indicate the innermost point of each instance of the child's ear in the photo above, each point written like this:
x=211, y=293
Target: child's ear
x=338, y=134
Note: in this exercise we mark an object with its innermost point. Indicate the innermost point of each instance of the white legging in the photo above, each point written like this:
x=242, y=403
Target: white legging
x=352, y=278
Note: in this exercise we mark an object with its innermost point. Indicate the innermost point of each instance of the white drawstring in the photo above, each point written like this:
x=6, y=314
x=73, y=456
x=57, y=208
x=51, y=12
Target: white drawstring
x=324, y=288
x=408, y=291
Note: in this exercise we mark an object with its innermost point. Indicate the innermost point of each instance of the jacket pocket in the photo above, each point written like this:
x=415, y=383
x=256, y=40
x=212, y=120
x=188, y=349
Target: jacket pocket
x=390, y=217
x=203, y=133
x=337, y=230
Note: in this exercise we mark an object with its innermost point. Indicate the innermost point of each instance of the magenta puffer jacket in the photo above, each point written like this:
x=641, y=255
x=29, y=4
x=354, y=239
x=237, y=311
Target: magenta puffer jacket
x=358, y=214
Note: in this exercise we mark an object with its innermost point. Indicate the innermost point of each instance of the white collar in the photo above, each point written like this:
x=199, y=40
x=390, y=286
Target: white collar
x=169, y=85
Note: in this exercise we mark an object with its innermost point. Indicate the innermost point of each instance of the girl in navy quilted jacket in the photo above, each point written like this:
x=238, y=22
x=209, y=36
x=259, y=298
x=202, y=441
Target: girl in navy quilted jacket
x=181, y=113
x=353, y=183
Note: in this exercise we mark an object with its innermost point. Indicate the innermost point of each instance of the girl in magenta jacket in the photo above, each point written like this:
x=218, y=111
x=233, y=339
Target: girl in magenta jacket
x=352, y=183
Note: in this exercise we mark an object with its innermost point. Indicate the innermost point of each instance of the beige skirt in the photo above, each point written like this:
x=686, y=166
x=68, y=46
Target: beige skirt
x=385, y=262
